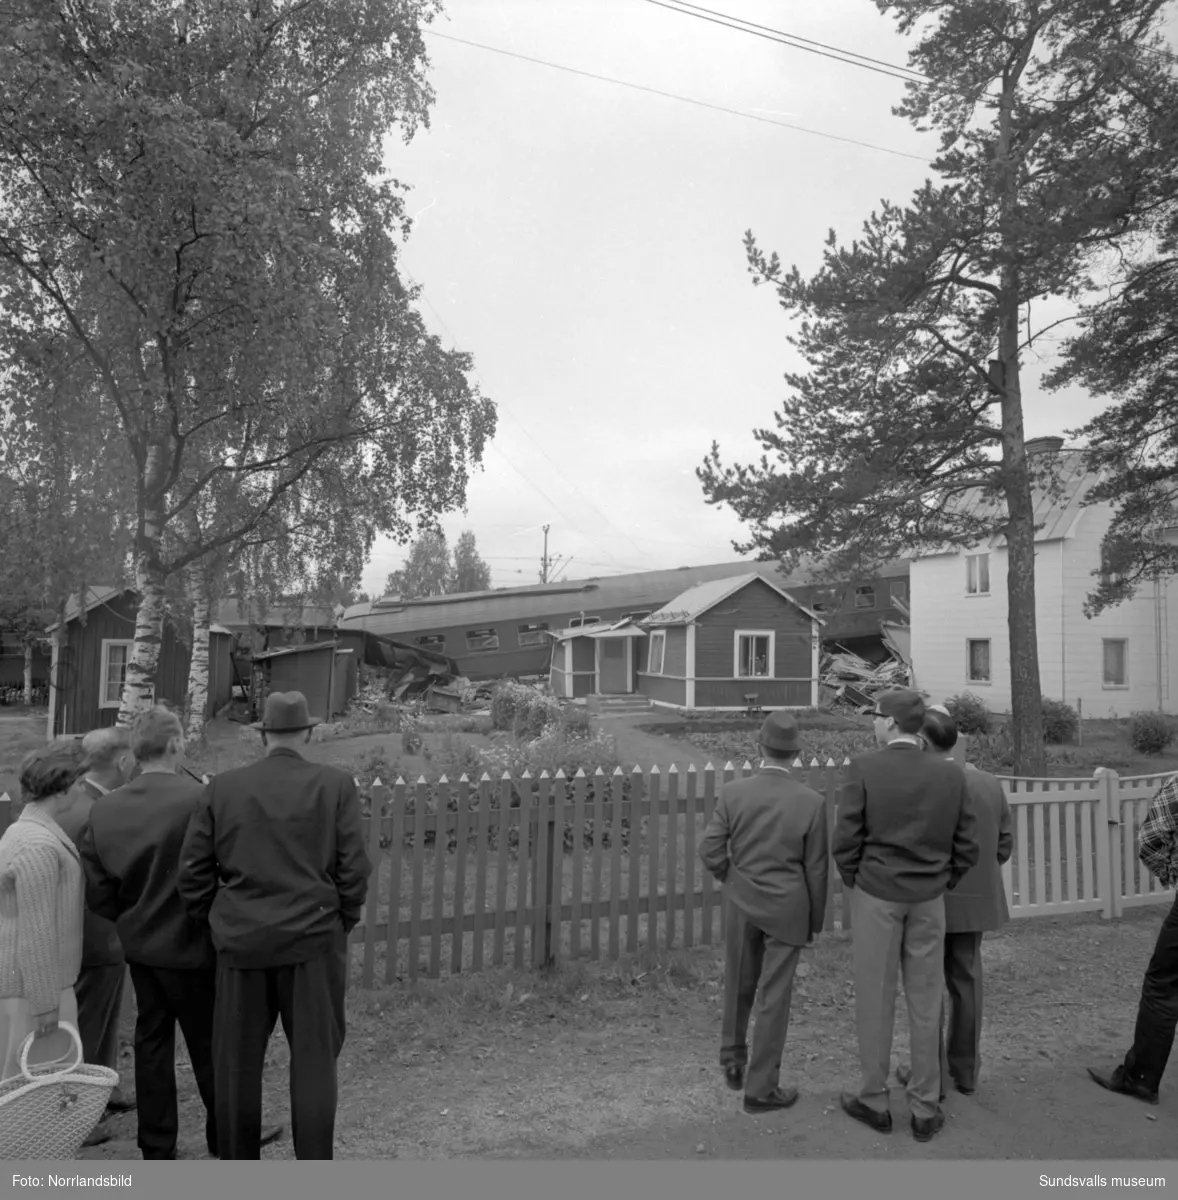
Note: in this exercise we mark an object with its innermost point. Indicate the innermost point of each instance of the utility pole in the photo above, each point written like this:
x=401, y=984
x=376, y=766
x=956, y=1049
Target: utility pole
x=546, y=563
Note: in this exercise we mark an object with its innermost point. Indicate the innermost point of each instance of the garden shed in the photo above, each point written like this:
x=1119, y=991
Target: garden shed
x=731, y=644
x=598, y=659
x=88, y=666
x=315, y=669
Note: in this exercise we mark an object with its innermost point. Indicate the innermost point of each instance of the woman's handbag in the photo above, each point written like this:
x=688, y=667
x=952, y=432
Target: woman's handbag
x=48, y=1111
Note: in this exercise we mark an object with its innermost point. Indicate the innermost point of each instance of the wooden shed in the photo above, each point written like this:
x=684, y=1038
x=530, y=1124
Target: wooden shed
x=88, y=669
x=310, y=669
x=731, y=644
x=595, y=660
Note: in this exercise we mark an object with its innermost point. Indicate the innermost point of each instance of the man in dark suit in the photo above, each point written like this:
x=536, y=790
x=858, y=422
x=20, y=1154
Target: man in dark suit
x=767, y=843
x=103, y=977
x=275, y=859
x=976, y=906
x=131, y=855
x=905, y=834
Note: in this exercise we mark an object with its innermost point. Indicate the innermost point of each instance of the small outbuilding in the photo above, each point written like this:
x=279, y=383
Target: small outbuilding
x=322, y=671
x=595, y=660
x=731, y=644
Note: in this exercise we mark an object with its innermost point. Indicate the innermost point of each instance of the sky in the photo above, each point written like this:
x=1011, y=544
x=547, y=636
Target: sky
x=583, y=241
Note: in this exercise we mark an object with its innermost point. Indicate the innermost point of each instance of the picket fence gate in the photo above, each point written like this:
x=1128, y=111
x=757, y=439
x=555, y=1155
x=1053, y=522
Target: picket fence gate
x=516, y=873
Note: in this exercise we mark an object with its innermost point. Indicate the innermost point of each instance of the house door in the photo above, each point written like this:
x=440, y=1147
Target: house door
x=613, y=679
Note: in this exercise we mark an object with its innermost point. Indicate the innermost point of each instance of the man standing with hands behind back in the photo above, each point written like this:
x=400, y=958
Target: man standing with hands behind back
x=905, y=833
x=274, y=858
x=767, y=843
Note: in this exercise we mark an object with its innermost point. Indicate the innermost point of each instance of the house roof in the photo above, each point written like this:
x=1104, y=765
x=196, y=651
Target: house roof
x=641, y=590
x=233, y=613
x=1055, y=509
x=306, y=648
x=96, y=594
x=603, y=629
x=692, y=603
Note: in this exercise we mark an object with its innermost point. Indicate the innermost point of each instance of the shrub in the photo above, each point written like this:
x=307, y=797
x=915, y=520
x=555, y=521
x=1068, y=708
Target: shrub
x=1061, y=722
x=455, y=758
x=1150, y=732
x=993, y=752
x=576, y=723
x=969, y=712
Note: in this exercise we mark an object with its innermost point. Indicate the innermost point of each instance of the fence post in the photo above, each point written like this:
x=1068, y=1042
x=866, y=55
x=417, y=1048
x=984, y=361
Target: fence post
x=830, y=794
x=375, y=814
x=1108, y=843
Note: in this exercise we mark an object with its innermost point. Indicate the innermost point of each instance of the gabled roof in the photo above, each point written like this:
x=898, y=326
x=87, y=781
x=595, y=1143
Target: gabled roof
x=233, y=613
x=603, y=629
x=1055, y=509
x=696, y=601
x=96, y=594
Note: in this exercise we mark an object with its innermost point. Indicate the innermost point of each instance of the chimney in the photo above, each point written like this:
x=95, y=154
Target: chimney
x=1044, y=445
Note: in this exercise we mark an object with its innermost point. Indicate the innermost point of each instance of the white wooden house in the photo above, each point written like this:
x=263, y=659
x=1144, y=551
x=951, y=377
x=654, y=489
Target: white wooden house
x=1117, y=663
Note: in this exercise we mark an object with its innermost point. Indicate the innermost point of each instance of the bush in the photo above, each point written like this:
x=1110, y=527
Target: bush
x=969, y=712
x=993, y=752
x=1150, y=732
x=1061, y=722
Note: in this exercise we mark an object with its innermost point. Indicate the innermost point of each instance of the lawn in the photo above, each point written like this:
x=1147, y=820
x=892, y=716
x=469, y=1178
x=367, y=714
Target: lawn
x=620, y=1061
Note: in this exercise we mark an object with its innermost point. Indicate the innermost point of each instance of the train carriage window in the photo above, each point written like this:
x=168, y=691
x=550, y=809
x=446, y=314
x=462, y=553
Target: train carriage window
x=431, y=639
x=482, y=639
x=532, y=635
x=577, y=622
x=865, y=596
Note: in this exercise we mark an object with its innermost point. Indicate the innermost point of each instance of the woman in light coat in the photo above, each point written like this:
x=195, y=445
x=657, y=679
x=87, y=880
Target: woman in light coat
x=41, y=899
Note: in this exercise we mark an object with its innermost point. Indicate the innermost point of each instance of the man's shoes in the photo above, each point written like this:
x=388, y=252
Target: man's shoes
x=854, y=1107
x=118, y=1103
x=734, y=1077
x=270, y=1133
x=924, y=1129
x=99, y=1134
x=1118, y=1082
x=965, y=1091
x=778, y=1099
x=904, y=1077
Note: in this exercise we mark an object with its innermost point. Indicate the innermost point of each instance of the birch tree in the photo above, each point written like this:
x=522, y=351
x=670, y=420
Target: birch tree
x=195, y=201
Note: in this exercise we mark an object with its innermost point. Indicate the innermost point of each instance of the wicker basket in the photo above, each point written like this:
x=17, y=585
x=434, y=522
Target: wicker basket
x=48, y=1111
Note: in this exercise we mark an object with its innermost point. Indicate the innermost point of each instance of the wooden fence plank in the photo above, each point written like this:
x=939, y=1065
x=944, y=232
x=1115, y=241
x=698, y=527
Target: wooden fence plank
x=579, y=784
x=652, y=870
x=1056, y=893
x=598, y=850
x=396, y=869
x=420, y=798
x=461, y=833
x=441, y=837
x=709, y=883
x=1089, y=814
x=634, y=854
x=501, y=861
x=555, y=890
x=1040, y=856
x=615, y=864
x=372, y=901
x=1069, y=835
x=523, y=856
x=540, y=876
x=691, y=862
x=1024, y=866
x=480, y=870
x=672, y=853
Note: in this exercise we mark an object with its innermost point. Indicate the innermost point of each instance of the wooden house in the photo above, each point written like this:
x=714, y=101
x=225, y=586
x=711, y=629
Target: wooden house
x=595, y=660
x=509, y=631
x=323, y=671
x=1110, y=665
x=88, y=668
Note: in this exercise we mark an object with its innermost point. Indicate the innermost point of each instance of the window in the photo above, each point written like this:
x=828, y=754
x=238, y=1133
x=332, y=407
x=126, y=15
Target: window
x=577, y=622
x=482, y=639
x=754, y=655
x=115, y=656
x=865, y=596
x=978, y=655
x=898, y=589
x=1108, y=573
x=532, y=635
x=658, y=644
x=431, y=639
x=977, y=574
x=1116, y=662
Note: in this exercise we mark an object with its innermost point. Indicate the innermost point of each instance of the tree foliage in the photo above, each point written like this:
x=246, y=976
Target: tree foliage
x=470, y=572
x=905, y=432
x=427, y=570
x=195, y=213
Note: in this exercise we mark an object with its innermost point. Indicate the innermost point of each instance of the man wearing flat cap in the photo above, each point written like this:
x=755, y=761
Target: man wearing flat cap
x=274, y=859
x=906, y=833
x=767, y=844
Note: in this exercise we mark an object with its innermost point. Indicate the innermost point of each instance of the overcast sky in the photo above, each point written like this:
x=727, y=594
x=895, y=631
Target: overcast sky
x=582, y=240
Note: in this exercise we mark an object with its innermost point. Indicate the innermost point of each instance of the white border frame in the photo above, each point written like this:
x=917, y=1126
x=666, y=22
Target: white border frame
x=771, y=634
x=1104, y=683
x=979, y=682
x=656, y=633
x=980, y=554
x=104, y=669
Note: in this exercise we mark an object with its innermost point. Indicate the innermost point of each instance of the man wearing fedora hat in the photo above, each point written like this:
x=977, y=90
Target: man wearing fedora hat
x=767, y=844
x=906, y=833
x=274, y=859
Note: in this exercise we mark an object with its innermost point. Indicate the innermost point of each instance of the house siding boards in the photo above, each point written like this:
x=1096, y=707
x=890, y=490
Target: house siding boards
x=1071, y=662
x=310, y=670
x=755, y=607
x=730, y=693
x=662, y=690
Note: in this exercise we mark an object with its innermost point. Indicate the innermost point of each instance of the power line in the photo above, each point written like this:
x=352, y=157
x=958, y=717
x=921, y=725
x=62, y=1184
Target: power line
x=639, y=87
x=797, y=43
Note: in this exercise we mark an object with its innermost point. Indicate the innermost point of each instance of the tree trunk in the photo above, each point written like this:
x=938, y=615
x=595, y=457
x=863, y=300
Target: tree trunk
x=140, y=689
x=29, y=672
x=198, y=670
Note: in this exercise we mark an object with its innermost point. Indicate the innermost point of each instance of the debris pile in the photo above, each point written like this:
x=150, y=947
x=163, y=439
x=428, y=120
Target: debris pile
x=851, y=683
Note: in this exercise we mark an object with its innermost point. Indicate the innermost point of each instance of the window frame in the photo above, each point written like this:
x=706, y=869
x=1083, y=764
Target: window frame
x=429, y=641
x=104, y=671
x=770, y=660
x=583, y=622
x=533, y=631
x=489, y=632
x=862, y=590
x=969, y=677
x=1104, y=680
x=973, y=573
x=657, y=638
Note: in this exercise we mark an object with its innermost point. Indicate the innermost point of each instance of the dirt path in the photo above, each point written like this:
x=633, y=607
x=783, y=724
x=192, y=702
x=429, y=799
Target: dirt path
x=620, y=1062
x=639, y=748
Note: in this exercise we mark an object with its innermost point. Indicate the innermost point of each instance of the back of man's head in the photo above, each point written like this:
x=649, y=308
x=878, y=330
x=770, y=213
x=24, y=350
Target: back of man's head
x=102, y=748
x=156, y=734
x=939, y=730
